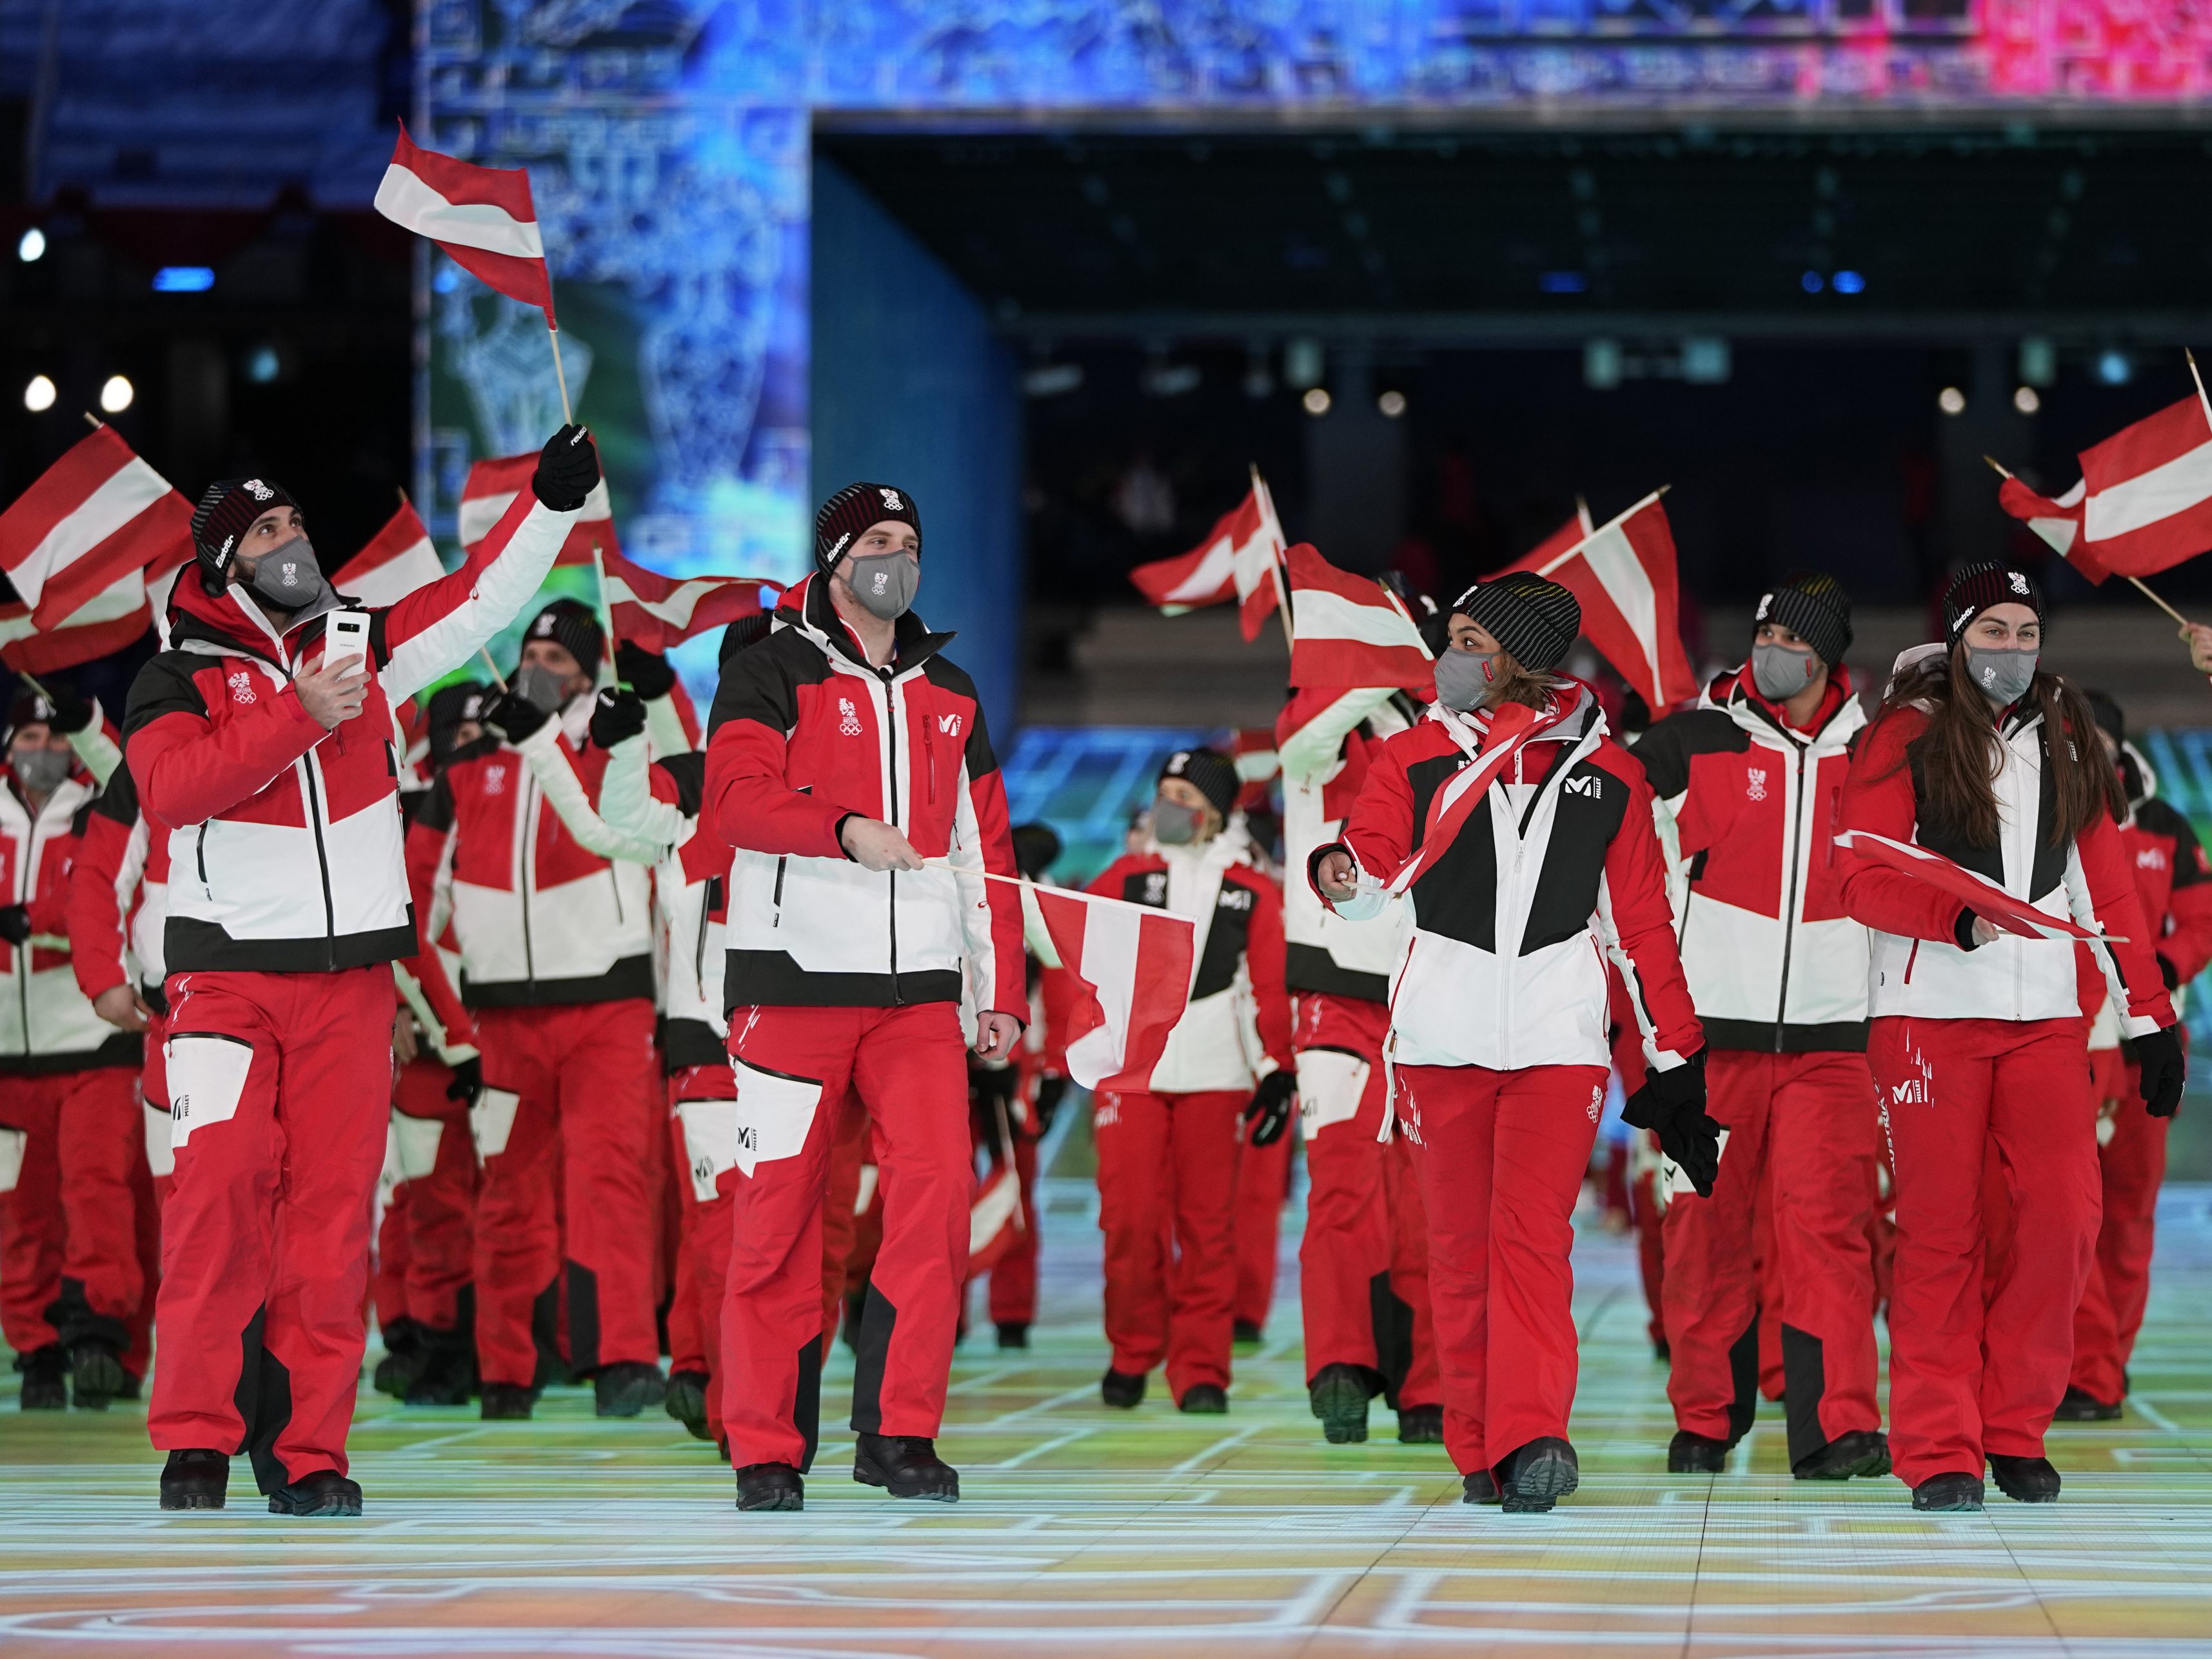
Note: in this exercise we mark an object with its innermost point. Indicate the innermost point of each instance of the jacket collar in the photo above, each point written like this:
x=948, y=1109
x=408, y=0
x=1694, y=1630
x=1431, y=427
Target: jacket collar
x=806, y=607
x=1580, y=716
x=230, y=623
x=1734, y=695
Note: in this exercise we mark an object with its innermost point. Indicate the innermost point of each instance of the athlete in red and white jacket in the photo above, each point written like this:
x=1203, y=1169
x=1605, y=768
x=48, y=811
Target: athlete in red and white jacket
x=1977, y=1037
x=271, y=767
x=1168, y=1151
x=1363, y=1263
x=849, y=766
x=1498, y=1017
x=1747, y=784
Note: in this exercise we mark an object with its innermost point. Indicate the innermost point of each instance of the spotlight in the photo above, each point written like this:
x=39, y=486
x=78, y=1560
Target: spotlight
x=2027, y=400
x=184, y=279
x=1316, y=400
x=115, y=397
x=1392, y=403
x=38, y=396
x=263, y=366
x=1850, y=282
x=1811, y=281
x=1951, y=400
x=2115, y=367
x=32, y=248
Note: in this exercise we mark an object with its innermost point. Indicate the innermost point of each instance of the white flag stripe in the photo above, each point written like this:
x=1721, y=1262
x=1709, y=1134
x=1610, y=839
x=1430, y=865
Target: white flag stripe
x=2175, y=487
x=1206, y=581
x=676, y=610
x=129, y=491
x=1613, y=561
x=398, y=576
x=403, y=198
x=1109, y=967
x=117, y=599
x=1254, y=561
x=479, y=514
x=1324, y=615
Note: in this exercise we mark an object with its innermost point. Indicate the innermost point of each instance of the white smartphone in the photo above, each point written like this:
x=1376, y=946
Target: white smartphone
x=346, y=634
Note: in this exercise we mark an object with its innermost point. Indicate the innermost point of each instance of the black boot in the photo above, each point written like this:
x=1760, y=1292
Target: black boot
x=1420, y=1425
x=2026, y=1479
x=2079, y=1407
x=686, y=1401
x=1204, y=1400
x=1480, y=1487
x=906, y=1465
x=1246, y=1332
x=195, y=1480
x=1339, y=1396
x=506, y=1402
x=403, y=1359
x=45, y=1378
x=1860, y=1451
x=1948, y=1494
x=627, y=1388
x=1014, y=1333
x=96, y=1373
x=446, y=1372
x=1696, y=1454
x=1123, y=1390
x=1538, y=1475
x=769, y=1487
x=324, y=1494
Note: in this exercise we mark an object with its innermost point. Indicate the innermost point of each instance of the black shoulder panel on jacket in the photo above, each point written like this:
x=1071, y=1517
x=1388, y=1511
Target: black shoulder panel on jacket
x=165, y=686
x=433, y=808
x=119, y=799
x=759, y=684
x=688, y=772
x=1665, y=750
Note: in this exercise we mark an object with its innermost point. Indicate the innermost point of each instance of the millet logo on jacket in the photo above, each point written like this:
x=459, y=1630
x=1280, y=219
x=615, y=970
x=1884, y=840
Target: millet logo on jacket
x=1593, y=787
x=2150, y=858
x=949, y=724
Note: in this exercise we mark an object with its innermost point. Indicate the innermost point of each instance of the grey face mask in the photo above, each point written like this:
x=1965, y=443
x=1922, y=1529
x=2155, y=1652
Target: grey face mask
x=539, y=686
x=41, y=771
x=1175, y=825
x=885, y=583
x=288, y=578
x=2002, y=676
x=1781, y=671
x=1464, y=678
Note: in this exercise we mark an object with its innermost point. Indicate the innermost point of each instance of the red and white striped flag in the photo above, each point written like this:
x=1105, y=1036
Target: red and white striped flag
x=2143, y=504
x=400, y=559
x=1238, y=560
x=491, y=489
x=482, y=216
x=1352, y=630
x=1130, y=966
x=1979, y=894
x=656, y=611
x=1511, y=725
x=95, y=518
x=1623, y=575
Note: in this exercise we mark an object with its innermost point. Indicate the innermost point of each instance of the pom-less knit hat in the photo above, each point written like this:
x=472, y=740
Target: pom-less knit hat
x=1978, y=586
x=1213, y=772
x=1814, y=606
x=572, y=625
x=1533, y=621
x=851, y=511
x=227, y=510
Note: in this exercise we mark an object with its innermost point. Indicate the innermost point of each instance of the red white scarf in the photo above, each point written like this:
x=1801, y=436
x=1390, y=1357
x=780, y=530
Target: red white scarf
x=1504, y=731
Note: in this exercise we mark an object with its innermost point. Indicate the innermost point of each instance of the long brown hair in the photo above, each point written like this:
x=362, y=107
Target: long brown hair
x=1959, y=754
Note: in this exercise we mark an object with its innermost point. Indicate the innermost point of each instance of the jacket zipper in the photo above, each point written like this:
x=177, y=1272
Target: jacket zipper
x=322, y=861
x=199, y=848
x=891, y=806
x=526, y=823
x=776, y=902
x=1789, y=898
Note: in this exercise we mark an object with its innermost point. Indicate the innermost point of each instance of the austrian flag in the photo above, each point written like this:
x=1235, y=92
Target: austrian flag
x=2144, y=505
x=1987, y=900
x=401, y=559
x=492, y=487
x=1352, y=630
x=1239, y=559
x=1131, y=967
x=482, y=216
x=656, y=611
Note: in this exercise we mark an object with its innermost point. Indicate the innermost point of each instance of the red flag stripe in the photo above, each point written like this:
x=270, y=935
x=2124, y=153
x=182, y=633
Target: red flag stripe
x=1351, y=630
x=482, y=216
x=97, y=512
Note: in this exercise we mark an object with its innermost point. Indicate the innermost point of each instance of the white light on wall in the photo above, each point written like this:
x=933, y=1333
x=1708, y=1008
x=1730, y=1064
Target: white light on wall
x=32, y=246
x=2027, y=400
x=1316, y=400
x=1951, y=400
x=115, y=397
x=38, y=396
x=1392, y=403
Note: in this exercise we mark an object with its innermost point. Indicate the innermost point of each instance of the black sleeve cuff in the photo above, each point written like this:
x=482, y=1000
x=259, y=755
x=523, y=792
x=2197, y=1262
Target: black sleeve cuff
x=837, y=833
x=1313, y=865
x=2167, y=972
x=1962, y=930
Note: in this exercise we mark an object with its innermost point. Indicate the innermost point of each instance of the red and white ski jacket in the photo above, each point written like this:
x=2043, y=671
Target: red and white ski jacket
x=2173, y=881
x=1325, y=741
x=46, y=1022
x=1557, y=869
x=1236, y=1027
x=804, y=734
x=117, y=898
x=1919, y=967
x=541, y=919
x=1749, y=804
x=285, y=841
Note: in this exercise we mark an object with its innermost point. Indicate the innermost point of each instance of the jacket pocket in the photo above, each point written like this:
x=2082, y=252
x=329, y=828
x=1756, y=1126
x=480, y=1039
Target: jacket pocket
x=775, y=899
x=199, y=852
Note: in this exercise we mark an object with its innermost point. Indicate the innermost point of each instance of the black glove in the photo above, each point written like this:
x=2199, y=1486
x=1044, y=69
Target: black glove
x=567, y=470
x=616, y=716
x=1269, y=1114
x=645, y=672
x=1051, y=1090
x=2165, y=1069
x=513, y=717
x=71, y=714
x=2168, y=972
x=14, y=924
x=1672, y=1104
x=468, y=1081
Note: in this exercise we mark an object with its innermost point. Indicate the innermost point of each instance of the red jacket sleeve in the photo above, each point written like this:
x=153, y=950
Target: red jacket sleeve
x=188, y=770
x=96, y=910
x=2187, y=946
x=1379, y=829
x=2111, y=881
x=1263, y=962
x=1643, y=921
x=1878, y=796
x=748, y=801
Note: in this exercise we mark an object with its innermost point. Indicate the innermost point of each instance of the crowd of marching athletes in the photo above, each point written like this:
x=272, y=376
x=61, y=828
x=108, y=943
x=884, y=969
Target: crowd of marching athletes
x=698, y=1038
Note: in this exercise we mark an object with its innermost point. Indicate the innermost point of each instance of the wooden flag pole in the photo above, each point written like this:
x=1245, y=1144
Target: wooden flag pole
x=606, y=610
x=2141, y=586
x=1275, y=560
x=2203, y=402
x=497, y=678
x=560, y=374
x=1620, y=519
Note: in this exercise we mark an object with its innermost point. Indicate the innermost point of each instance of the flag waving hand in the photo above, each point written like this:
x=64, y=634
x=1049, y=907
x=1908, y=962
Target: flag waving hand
x=482, y=216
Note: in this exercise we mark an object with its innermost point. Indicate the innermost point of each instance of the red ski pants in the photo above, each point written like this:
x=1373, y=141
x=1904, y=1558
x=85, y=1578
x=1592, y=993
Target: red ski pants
x=1363, y=1263
x=1014, y=1279
x=438, y=1208
x=588, y=1119
x=1969, y=1377
x=2132, y=1163
x=1167, y=1203
x=69, y=1267
x=1501, y=1157
x=908, y=1067
x=1263, y=1186
x=281, y=1095
x=1807, y=1124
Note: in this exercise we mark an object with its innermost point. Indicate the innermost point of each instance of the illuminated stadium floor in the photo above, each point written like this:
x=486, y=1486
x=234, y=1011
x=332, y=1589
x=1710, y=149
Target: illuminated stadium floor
x=1089, y=1531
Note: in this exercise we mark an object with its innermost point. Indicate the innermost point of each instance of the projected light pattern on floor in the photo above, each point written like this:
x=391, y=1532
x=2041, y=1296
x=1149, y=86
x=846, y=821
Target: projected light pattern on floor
x=1085, y=1531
